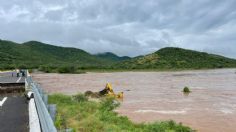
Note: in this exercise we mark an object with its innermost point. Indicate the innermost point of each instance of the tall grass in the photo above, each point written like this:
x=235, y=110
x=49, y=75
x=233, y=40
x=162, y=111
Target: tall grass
x=80, y=114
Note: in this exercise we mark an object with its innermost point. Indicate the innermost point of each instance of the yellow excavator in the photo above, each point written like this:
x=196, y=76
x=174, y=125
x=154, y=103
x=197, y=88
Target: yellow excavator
x=108, y=90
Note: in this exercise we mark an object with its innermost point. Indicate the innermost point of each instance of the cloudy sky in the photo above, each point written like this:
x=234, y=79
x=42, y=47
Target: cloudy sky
x=125, y=27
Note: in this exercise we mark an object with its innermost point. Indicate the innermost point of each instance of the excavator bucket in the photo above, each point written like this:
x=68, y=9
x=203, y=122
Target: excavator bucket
x=108, y=91
x=120, y=95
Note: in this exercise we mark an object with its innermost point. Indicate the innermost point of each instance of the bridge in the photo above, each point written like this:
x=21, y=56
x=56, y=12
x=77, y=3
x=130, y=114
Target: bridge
x=19, y=110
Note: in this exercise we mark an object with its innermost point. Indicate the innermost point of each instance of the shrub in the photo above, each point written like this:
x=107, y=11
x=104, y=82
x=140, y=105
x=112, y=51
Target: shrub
x=186, y=90
x=45, y=68
x=88, y=93
x=66, y=69
x=80, y=98
x=92, y=94
x=60, y=122
x=169, y=126
x=30, y=70
x=22, y=66
x=109, y=104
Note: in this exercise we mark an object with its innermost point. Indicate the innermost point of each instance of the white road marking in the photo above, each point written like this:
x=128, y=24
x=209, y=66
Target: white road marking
x=2, y=102
x=18, y=80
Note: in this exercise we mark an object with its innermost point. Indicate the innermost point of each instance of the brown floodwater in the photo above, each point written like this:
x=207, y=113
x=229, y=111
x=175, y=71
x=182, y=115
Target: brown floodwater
x=156, y=96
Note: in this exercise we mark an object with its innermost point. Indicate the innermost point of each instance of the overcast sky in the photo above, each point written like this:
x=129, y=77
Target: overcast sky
x=125, y=27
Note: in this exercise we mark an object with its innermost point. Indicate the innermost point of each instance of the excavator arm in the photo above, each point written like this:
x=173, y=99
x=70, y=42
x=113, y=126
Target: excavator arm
x=108, y=90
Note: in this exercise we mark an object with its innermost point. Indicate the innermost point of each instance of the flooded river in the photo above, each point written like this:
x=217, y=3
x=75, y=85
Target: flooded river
x=155, y=96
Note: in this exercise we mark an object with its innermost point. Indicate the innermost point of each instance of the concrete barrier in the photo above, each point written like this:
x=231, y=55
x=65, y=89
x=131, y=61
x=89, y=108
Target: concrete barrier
x=34, y=125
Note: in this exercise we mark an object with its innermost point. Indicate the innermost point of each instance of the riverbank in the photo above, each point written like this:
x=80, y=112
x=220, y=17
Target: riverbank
x=73, y=70
x=152, y=96
x=80, y=114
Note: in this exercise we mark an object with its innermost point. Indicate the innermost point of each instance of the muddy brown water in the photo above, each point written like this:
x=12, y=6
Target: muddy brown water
x=156, y=96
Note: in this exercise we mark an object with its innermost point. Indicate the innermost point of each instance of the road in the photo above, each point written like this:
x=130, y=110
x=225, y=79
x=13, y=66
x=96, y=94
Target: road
x=14, y=115
x=6, y=77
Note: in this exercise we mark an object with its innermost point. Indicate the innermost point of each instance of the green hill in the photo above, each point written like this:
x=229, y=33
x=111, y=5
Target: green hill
x=177, y=58
x=32, y=54
x=112, y=57
x=35, y=54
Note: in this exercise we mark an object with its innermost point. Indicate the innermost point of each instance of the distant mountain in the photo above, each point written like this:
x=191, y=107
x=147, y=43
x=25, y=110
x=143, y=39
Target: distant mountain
x=112, y=56
x=32, y=54
x=177, y=58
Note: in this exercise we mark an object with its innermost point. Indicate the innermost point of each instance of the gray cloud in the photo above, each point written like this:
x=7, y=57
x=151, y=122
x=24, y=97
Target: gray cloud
x=123, y=27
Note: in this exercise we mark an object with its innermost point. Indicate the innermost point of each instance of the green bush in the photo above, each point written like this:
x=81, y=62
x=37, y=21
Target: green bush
x=60, y=122
x=88, y=93
x=186, y=90
x=109, y=104
x=66, y=69
x=69, y=69
x=45, y=68
x=30, y=70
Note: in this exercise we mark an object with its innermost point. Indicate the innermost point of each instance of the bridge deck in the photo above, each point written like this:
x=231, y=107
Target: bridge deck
x=7, y=77
x=13, y=106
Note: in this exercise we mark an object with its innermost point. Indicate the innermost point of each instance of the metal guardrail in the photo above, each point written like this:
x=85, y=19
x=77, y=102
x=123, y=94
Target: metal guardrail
x=43, y=109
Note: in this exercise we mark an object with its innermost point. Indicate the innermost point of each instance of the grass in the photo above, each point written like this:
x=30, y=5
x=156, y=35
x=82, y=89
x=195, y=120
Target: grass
x=80, y=114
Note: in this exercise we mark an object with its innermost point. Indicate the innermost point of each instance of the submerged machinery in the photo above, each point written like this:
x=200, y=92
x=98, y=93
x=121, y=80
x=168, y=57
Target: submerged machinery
x=108, y=91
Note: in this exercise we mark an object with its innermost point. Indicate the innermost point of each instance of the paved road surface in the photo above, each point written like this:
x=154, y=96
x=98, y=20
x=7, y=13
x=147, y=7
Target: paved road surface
x=13, y=107
x=6, y=77
x=14, y=114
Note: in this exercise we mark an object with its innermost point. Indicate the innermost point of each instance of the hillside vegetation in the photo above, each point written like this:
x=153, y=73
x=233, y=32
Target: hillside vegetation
x=112, y=56
x=177, y=58
x=35, y=54
x=51, y=58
